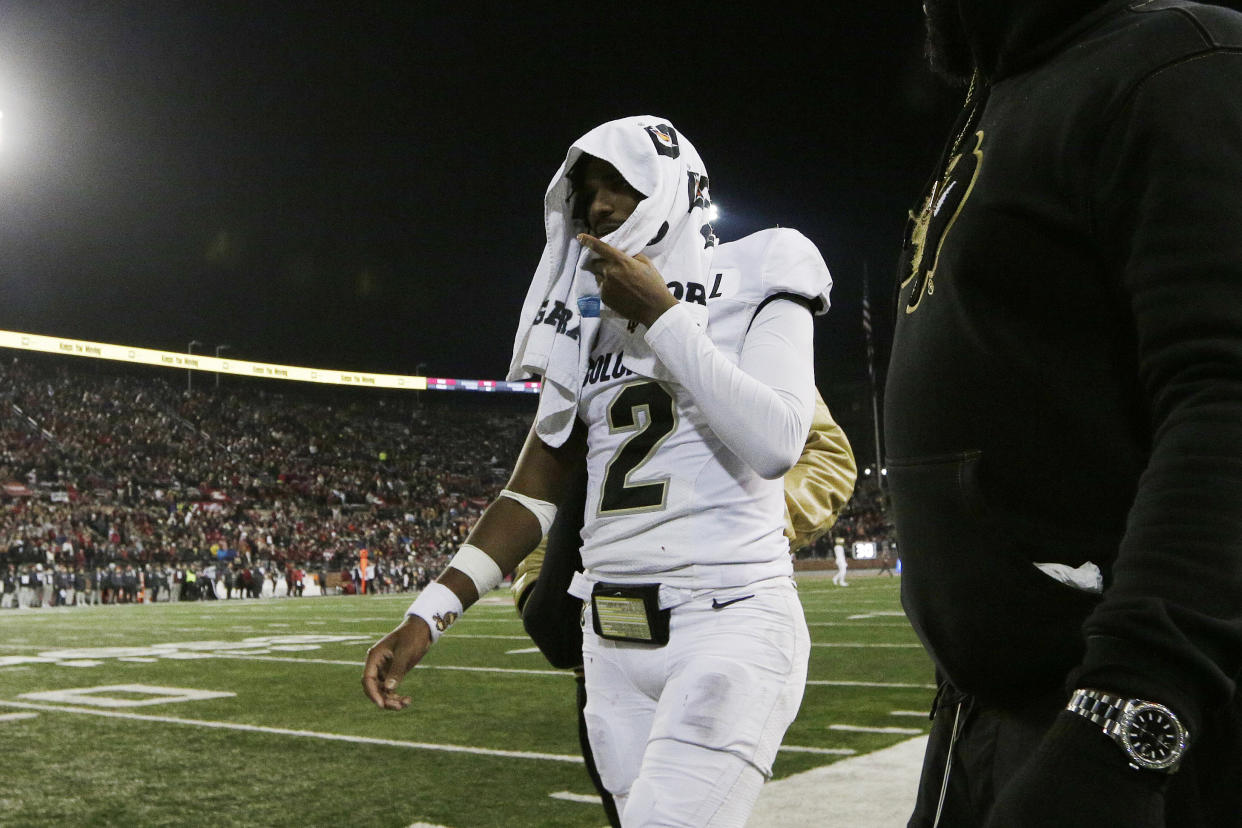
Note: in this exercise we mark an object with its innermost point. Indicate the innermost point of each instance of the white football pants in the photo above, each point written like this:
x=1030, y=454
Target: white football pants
x=685, y=734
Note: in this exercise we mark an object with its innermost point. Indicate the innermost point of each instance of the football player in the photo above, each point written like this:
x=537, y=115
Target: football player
x=687, y=414
x=816, y=489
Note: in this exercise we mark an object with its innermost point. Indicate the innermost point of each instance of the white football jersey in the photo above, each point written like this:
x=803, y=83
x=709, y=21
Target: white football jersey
x=667, y=501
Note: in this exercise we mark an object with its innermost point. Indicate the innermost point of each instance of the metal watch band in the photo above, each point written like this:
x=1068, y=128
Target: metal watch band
x=1101, y=708
x=1115, y=714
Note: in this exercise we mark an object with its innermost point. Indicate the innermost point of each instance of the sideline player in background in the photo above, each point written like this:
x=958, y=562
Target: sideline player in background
x=1064, y=418
x=816, y=489
x=687, y=414
x=838, y=553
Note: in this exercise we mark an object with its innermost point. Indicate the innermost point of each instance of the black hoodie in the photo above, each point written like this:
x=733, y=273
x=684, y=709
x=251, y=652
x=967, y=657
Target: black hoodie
x=1066, y=378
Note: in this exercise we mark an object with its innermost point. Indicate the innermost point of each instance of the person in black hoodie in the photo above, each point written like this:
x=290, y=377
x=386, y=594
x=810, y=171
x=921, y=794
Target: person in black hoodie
x=1064, y=417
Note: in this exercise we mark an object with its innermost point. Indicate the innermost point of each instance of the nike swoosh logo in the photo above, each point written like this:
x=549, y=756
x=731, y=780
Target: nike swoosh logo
x=718, y=604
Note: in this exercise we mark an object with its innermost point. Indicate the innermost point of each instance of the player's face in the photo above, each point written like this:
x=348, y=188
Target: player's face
x=608, y=197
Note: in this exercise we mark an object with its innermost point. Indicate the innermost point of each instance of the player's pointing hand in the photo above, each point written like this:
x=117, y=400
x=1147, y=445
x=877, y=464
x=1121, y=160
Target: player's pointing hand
x=630, y=285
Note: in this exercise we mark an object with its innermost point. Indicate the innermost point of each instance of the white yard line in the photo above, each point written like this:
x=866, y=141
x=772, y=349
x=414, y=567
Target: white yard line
x=17, y=717
x=857, y=624
x=854, y=612
x=419, y=667
x=566, y=796
x=472, y=619
x=447, y=638
x=895, y=684
x=510, y=670
x=336, y=737
x=847, y=728
x=562, y=673
x=306, y=734
x=861, y=645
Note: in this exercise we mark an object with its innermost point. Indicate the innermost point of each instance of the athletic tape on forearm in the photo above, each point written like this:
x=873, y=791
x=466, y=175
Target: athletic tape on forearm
x=473, y=561
x=439, y=606
x=543, y=511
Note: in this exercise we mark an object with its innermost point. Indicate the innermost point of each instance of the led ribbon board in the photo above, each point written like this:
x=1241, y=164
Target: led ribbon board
x=243, y=368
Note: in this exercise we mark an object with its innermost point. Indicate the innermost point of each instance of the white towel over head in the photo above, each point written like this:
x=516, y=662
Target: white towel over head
x=669, y=225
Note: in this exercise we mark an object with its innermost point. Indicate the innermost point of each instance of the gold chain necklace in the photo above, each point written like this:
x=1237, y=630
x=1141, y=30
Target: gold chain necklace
x=918, y=235
x=968, y=104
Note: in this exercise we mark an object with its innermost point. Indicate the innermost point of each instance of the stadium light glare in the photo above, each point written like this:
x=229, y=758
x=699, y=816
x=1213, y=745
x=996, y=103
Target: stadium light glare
x=713, y=213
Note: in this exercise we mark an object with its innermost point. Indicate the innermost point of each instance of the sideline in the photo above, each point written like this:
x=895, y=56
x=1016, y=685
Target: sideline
x=875, y=790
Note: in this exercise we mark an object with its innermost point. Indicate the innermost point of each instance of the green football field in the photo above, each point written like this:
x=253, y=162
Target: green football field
x=251, y=713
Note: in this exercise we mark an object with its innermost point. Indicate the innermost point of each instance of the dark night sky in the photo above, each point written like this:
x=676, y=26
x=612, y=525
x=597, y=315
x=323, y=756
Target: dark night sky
x=358, y=184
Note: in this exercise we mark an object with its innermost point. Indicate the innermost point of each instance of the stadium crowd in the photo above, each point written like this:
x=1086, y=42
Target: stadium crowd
x=124, y=487
x=864, y=519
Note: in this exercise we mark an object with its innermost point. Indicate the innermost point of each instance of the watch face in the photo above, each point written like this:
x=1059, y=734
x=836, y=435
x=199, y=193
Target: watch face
x=1152, y=735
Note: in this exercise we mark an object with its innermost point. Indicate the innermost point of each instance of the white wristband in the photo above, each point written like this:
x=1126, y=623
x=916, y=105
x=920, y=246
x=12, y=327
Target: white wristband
x=439, y=606
x=483, y=570
x=543, y=511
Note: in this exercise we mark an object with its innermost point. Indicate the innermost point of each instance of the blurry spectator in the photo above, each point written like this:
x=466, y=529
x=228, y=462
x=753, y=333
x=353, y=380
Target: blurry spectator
x=129, y=584
x=155, y=582
x=25, y=587
x=886, y=561
x=8, y=596
x=92, y=585
x=47, y=580
x=79, y=587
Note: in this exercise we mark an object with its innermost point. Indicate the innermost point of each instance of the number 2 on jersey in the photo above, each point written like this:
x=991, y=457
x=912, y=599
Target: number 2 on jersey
x=619, y=493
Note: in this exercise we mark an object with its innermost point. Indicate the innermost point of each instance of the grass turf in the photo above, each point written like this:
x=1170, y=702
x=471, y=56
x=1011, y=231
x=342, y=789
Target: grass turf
x=295, y=743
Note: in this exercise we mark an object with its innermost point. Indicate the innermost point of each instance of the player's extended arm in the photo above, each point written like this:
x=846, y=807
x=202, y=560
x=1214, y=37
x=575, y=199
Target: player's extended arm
x=821, y=482
x=761, y=407
x=503, y=536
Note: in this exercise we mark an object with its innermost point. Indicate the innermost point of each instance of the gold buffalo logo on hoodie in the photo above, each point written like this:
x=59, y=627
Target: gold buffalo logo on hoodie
x=936, y=218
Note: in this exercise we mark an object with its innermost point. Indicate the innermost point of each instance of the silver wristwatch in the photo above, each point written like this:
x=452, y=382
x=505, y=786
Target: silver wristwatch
x=1151, y=734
